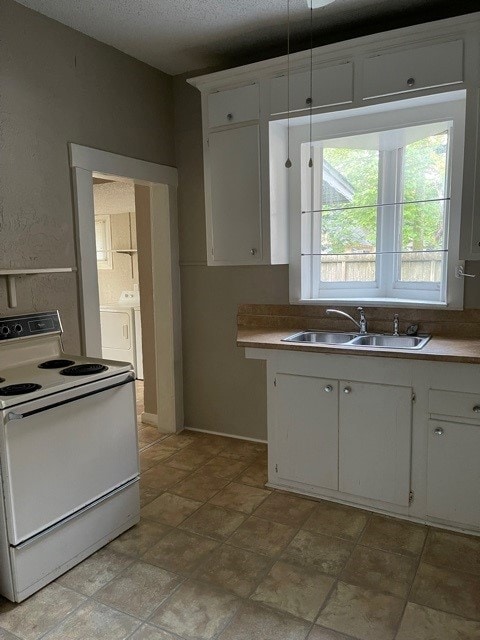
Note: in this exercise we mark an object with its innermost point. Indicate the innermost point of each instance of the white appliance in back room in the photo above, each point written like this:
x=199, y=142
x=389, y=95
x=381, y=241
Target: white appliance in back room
x=121, y=328
x=68, y=454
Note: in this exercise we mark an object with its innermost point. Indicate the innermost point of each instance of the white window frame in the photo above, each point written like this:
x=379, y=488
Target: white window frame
x=103, y=226
x=385, y=117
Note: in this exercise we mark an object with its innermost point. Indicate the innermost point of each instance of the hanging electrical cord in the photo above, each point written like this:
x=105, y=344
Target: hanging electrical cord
x=310, y=162
x=288, y=162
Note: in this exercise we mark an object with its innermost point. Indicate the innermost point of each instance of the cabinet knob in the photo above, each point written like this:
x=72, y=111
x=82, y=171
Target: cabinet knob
x=328, y=388
x=308, y=101
x=438, y=431
x=253, y=252
x=229, y=116
x=347, y=390
x=476, y=408
x=411, y=82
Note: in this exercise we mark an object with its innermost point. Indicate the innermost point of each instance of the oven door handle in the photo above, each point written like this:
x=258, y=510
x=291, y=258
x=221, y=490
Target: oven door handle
x=27, y=414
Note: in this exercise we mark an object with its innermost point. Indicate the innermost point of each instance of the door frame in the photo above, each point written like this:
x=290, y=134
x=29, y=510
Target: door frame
x=163, y=182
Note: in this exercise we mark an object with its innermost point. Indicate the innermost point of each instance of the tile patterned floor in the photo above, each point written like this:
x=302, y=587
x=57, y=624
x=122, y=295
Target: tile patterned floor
x=218, y=556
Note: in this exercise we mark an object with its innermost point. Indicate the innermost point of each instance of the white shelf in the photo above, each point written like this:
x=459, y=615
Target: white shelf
x=11, y=274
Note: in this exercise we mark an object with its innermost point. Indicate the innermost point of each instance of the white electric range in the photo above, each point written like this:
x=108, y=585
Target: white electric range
x=68, y=454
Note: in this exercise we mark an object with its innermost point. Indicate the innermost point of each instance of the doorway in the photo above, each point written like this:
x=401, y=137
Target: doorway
x=152, y=237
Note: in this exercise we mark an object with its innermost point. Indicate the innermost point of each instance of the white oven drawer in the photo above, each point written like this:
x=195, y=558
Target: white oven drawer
x=62, y=452
x=45, y=557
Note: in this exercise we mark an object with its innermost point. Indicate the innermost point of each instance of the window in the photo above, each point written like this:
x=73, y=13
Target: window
x=377, y=215
x=103, y=242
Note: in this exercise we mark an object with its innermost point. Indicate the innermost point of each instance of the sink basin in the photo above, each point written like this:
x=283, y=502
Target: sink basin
x=325, y=337
x=355, y=340
x=391, y=342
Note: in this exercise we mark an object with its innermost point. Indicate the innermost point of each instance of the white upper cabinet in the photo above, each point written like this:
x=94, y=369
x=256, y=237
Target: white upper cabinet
x=412, y=69
x=331, y=86
x=233, y=106
x=233, y=197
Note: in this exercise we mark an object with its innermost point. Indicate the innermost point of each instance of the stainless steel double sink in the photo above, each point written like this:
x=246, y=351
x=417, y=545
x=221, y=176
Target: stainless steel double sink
x=371, y=340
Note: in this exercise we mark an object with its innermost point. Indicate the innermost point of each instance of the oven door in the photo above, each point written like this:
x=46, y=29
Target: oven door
x=64, y=451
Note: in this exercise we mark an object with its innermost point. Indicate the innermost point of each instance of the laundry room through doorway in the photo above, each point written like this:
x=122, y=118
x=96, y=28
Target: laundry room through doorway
x=119, y=277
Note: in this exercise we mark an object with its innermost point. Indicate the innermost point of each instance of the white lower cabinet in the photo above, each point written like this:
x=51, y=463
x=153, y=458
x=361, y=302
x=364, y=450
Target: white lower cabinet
x=453, y=472
x=306, y=430
x=348, y=436
x=375, y=427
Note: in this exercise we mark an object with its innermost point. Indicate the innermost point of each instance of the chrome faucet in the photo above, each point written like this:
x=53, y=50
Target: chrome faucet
x=396, y=325
x=362, y=324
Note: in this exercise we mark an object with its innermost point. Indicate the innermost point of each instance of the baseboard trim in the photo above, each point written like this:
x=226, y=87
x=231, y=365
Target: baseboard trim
x=225, y=435
x=149, y=418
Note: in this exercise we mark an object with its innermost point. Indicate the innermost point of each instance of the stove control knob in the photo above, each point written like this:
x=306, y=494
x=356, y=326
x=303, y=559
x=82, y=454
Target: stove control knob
x=4, y=330
x=18, y=328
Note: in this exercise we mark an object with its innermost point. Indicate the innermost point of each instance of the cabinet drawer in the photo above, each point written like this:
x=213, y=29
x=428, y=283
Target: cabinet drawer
x=330, y=86
x=453, y=403
x=413, y=69
x=233, y=106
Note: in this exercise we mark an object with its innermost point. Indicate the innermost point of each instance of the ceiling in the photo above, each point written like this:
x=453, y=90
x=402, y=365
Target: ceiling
x=186, y=35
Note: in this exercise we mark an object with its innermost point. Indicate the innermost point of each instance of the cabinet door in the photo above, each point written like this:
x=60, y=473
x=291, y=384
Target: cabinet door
x=453, y=476
x=413, y=69
x=375, y=427
x=330, y=86
x=233, y=105
x=234, y=207
x=306, y=430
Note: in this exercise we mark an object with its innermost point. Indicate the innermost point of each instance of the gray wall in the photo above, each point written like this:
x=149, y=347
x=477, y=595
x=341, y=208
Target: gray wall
x=222, y=390
x=59, y=86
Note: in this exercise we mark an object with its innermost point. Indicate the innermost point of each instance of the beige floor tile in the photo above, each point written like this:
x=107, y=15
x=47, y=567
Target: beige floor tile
x=324, y=552
x=199, y=486
x=447, y=590
x=189, y=459
x=286, y=509
x=320, y=633
x=243, y=450
x=94, y=621
x=139, y=590
x=147, y=632
x=362, y=613
x=224, y=468
x=95, y=572
x=180, y=551
x=139, y=539
x=392, y=534
x=214, y=522
x=256, y=475
x=162, y=477
x=170, y=509
x=40, y=613
x=5, y=635
x=147, y=494
x=154, y=454
x=234, y=569
x=422, y=623
x=296, y=589
x=196, y=611
x=453, y=551
x=240, y=497
x=262, y=536
x=254, y=622
x=337, y=520
x=148, y=435
x=381, y=571
x=179, y=440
